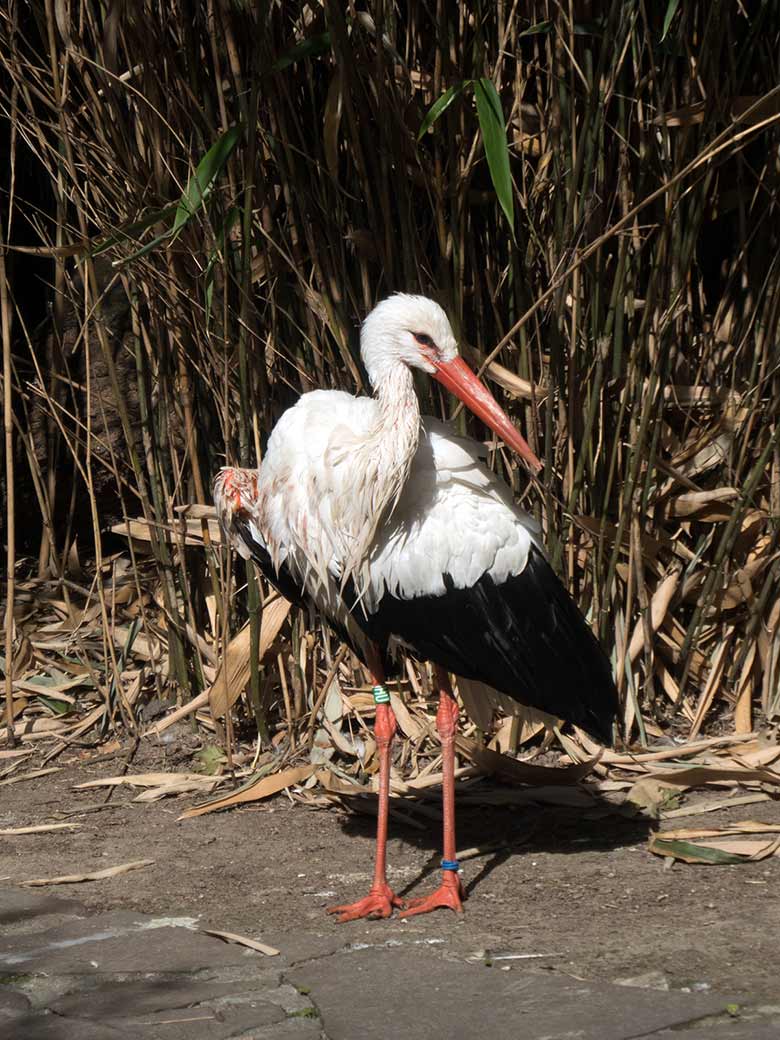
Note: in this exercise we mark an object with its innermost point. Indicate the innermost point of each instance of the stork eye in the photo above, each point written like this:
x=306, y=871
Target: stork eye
x=423, y=339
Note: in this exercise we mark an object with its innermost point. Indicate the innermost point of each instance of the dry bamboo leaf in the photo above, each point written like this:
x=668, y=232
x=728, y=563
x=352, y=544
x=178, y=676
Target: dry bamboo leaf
x=712, y=685
x=668, y=684
x=759, y=108
x=570, y=797
x=139, y=531
x=39, y=828
x=335, y=785
x=410, y=727
x=659, y=605
x=742, y=827
x=514, y=384
x=148, y=780
x=704, y=505
x=154, y=794
x=344, y=742
x=52, y=688
x=37, y=729
x=651, y=795
x=242, y=940
x=522, y=772
x=180, y=713
x=740, y=590
x=94, y=875
x=254, y=791
x=763, y=755
x=743, y=709
x=715, y=806
x=30, y=776
x=651, y=547
x=436, y=779
x=711, y=848
x=752, y=850
x=196, y=511
x=235, y=669
x=699, y=776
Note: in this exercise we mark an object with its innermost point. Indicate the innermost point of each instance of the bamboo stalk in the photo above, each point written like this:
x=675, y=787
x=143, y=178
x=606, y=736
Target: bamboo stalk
x=10, y=499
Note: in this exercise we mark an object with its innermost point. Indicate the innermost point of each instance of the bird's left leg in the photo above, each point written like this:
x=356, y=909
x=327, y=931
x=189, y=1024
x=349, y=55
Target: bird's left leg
x=450, y=893
x=380, y=899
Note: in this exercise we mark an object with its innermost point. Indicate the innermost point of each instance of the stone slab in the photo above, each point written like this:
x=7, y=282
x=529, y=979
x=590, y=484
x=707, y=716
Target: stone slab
x=21, y=904
x=374, y=994
x=119, y=941
x=752, y=1029
x=12, y=1004
x=159, y=993
x=44, y=1026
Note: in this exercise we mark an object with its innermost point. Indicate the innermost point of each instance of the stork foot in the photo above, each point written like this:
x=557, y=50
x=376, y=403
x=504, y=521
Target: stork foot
x=450, y=893
x=379, y=902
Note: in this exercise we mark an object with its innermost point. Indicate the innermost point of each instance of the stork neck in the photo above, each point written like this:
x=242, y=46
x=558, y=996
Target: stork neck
x=397, y=431
x=386, y=458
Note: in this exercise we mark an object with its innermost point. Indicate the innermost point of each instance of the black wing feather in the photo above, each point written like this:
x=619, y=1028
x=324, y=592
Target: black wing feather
x=282, y=580
x=525, y=637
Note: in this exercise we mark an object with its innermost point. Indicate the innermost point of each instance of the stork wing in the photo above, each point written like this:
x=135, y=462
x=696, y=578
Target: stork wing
x=523, y=636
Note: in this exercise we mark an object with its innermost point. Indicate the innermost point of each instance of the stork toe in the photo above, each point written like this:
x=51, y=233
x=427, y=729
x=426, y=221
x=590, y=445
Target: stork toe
x=379, y=902
x=450, y=895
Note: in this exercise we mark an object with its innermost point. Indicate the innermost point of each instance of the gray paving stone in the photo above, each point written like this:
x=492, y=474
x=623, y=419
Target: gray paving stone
x=304, y=945
x=158, y=1009
x=127, y=976
x=292, y=1029
x=751, y=1029
x=377, y=994
x=114, y=998
x=197, y=1023
x=119, y=941
x=12, y=1004
x=45, y=1026
x=20, y=904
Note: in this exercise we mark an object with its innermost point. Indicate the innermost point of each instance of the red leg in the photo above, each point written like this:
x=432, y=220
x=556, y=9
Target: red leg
x=450, y=893
x=380, y=899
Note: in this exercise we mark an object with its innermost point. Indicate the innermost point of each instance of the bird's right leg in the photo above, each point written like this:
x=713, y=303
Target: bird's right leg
x=380, y=899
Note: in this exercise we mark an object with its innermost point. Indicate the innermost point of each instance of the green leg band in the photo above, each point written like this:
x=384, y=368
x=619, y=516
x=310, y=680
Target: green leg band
x=381, y=696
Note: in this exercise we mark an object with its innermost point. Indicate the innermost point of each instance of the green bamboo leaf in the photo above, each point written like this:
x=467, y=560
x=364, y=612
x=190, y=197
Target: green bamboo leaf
x=309, y=48
x=440, y=105
x=128, y=231
x=55, y=706
x=671, y=11
x=536, y=30
x=692, y=853
x=209, y=168
x=145, y=249
x=491, y=123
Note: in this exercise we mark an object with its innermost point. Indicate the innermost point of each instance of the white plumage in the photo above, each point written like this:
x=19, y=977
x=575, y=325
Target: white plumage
x=361, y=488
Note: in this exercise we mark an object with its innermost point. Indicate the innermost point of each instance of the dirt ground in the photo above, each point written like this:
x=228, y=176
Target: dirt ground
x=579, y=889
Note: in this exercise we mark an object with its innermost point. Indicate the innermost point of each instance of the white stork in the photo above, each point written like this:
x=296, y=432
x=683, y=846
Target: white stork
x=399, y=533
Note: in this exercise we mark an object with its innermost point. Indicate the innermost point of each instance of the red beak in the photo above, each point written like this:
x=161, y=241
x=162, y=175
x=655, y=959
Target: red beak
x=458, y=378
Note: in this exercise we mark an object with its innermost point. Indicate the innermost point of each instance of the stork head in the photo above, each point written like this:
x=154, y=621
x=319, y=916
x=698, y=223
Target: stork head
x=414, y=331
x=411, y=329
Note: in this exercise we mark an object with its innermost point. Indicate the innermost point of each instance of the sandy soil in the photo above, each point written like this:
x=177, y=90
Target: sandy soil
x=582, y=891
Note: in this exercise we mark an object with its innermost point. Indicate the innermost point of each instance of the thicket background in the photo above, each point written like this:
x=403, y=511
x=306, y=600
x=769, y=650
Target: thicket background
x=212, y=195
